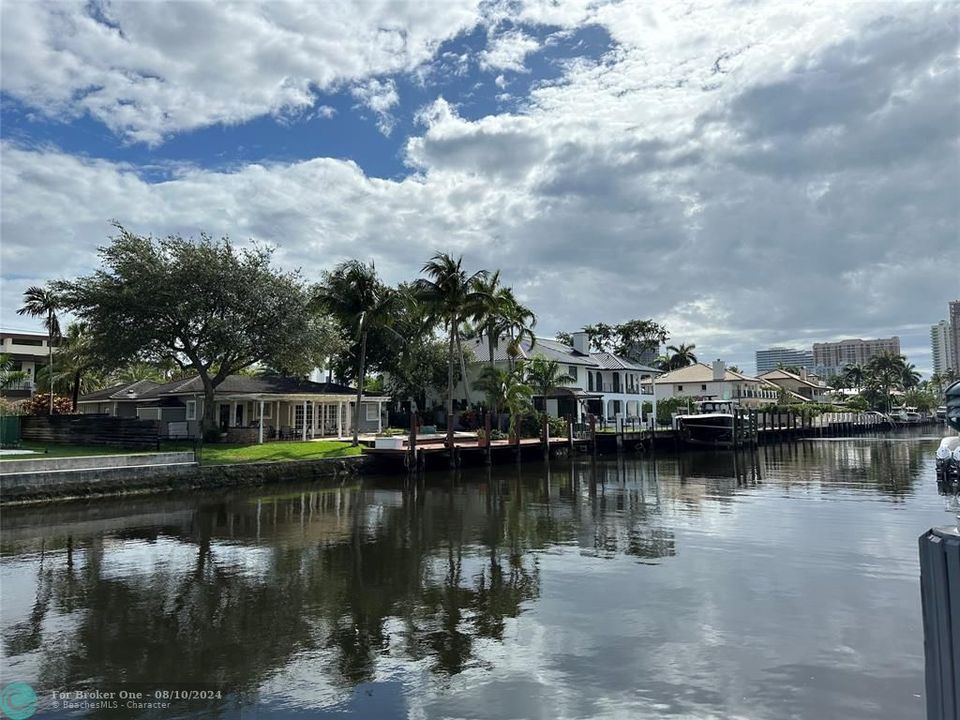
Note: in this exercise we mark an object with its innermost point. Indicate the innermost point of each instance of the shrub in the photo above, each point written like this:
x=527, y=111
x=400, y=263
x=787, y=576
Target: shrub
x=212, y=435
x=558, y=427
x=39, y=404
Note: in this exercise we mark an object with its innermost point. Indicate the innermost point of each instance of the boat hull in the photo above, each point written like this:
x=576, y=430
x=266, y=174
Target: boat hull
x=714, y=430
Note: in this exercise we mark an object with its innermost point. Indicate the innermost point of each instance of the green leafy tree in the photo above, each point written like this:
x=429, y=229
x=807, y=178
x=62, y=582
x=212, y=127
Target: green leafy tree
x=204, y=305
x=354, y=295
x=449, y=297
x=78, y=368
x=636, y=338
x=43, y=303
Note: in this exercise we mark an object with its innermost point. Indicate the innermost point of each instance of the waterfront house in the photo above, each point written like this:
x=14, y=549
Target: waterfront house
x=247, y=408
x=717, y=382
x=600, y=383
x=28, y=351
x=799, y=386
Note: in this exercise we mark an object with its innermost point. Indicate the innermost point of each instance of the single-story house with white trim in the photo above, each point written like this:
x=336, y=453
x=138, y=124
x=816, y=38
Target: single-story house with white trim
x=248, y=408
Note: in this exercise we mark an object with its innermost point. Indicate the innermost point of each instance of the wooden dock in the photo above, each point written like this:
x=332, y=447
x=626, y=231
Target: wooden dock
x=417, y=453
x=436, y=454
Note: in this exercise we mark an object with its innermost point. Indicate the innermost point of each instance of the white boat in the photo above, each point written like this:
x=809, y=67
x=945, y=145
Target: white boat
x=711, y=424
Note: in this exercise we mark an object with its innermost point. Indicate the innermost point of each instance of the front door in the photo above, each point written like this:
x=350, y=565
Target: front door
x=224, y=416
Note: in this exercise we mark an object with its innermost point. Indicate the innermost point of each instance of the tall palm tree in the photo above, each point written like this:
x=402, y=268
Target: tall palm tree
x=885, y=371
x=681, y=355
x=909, y=377
x=519, y=323
x=855, y=374
x=354, y=295
x=43, y=303
x=489, y=313
x=517, y=400
x=449, y=297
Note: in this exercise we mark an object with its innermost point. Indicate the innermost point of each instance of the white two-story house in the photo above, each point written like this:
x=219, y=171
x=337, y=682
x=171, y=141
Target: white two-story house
x=600, y=383
x=28, y=352
x=704, y=382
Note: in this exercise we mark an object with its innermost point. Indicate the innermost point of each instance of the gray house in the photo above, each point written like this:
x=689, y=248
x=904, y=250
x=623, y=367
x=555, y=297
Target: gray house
x=248, y=409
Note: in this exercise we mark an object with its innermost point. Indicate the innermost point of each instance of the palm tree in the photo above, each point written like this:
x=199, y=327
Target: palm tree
x=491, y=383
x=449, y=297
x=909, y=377
x=490, y=311
x=885, y=371
x=42, y=302
x=354, y=295
x=519, y=321
x=76, y=361
x=517, y=399
x=9, y=376
x=855, y=374
x=545, y=376
x=681, y=356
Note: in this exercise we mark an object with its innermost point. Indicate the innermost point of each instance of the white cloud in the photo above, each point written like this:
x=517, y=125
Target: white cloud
x=789, y=175
x=508, y=51
x=381, y=97
x=147, y=70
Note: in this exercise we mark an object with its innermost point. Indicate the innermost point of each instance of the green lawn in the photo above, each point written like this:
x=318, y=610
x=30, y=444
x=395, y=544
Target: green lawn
x=53, y=450
x=212, y=454
x=222, y=453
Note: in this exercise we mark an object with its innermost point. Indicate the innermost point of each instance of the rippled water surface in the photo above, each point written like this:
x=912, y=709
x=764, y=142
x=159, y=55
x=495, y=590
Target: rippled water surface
x=777, y=585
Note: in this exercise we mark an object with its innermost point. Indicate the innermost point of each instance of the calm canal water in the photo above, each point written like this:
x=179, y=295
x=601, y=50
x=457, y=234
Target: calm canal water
x=777, y=585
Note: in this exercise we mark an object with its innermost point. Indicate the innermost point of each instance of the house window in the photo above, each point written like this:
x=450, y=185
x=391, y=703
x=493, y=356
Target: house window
x=191, y=409
x=703, y=387
x=573, y=372
x=589, y=381
x=267, y=410
x=616, y=382
x=679, y=388
x=373, y=412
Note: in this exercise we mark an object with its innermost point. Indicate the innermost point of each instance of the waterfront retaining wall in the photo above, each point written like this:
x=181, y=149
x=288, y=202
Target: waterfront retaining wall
x=46, y=485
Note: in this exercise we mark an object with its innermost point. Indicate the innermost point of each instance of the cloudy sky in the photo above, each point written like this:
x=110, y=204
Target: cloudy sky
x=747, y=173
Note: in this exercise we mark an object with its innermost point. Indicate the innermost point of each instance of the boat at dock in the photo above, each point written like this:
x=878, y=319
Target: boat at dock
x=713, y=423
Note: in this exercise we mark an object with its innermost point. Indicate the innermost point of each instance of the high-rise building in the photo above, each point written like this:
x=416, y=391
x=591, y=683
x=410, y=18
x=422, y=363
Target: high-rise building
x=945, y=341
x=942, y=347
x=829, y=358
x=955, y=332
x=772, y=358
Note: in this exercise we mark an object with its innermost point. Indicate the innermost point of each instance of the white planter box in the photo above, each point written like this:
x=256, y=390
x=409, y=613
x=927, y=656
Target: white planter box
x=389, y=443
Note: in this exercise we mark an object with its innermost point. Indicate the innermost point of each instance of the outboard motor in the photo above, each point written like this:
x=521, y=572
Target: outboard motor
x=948, y=454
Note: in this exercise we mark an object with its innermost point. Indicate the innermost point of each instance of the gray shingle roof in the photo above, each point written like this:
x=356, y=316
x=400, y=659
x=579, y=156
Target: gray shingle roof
x=553, y=349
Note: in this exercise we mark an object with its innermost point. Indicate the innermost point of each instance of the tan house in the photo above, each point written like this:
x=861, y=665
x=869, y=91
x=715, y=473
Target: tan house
x=705, y=382
x=27, y=352
x=799, y=385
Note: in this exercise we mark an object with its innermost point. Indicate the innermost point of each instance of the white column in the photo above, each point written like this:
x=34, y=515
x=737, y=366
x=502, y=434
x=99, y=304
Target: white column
x=379, y=416
x=339, y=419
x=260, y=439
x=653, y=382
x=349, y=417
x=304, y=420
x=313, y=420
x=233, y=415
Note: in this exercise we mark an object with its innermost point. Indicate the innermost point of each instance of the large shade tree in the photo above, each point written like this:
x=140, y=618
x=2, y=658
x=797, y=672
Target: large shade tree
x=354, y=294
x=42, y=302
x=449, y=297
x=205, y=305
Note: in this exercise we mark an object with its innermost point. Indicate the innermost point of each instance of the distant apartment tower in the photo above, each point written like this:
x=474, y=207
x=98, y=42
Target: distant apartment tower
x=955, y=332
x=942, y=347
x=772, y=358
x=830, y=358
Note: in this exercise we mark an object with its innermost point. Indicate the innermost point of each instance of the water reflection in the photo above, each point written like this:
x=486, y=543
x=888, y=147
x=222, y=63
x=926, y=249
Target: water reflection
x=369, y=585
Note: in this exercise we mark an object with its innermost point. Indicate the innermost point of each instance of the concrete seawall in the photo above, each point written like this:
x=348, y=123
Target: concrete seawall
x=50, y=485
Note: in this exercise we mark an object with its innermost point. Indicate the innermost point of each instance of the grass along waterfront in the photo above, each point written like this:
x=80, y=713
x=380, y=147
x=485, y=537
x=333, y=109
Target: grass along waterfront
x=212, y=454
